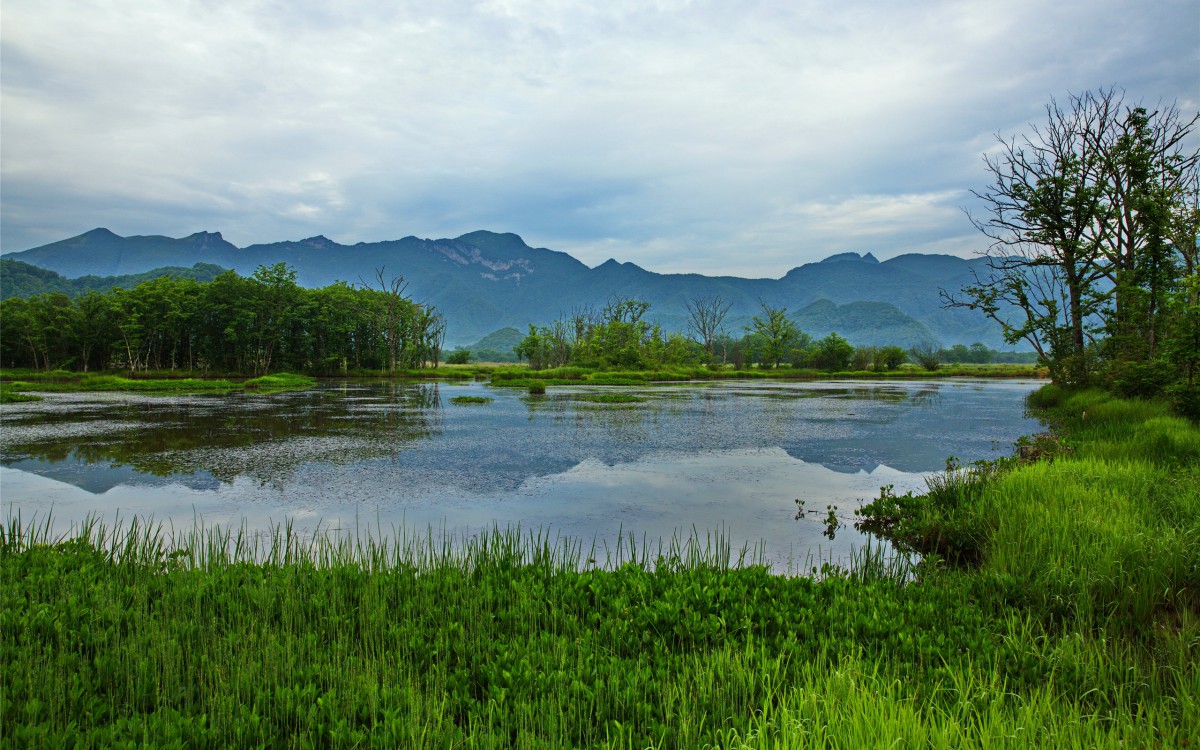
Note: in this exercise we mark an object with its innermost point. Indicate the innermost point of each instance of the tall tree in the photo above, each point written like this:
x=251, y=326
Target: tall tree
x=1079, y=213
x=777, y=331
x=1042, y=212
x=706, y=314
x=1146, y=173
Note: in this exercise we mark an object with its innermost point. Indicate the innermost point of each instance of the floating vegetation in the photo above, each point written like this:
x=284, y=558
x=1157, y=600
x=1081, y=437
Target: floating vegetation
x=119, y=383
x=468, y=400
x=613, y=397
x=284, y=381
x=65, y=382
x=12, y=395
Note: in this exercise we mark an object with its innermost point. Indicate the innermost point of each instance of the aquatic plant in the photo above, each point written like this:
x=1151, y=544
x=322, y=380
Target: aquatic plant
x=467, y=400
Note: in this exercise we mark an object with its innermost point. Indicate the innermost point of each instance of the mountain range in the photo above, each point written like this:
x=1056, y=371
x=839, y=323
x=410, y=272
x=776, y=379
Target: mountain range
x=484, y=281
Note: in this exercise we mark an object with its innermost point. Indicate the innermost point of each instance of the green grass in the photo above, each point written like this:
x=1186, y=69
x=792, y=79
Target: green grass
x=119, y=383
x=608, y=398
x=468, y=400
x=64, y=382
x=520, y=376
x=1060, y=610
x=9, y=395
x=284, y=381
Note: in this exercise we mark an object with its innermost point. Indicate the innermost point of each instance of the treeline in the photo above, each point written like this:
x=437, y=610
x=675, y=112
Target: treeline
x=618, y=337
x=234, y=324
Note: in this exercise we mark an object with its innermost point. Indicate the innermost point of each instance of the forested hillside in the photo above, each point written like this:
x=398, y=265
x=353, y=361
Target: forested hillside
x=484, y=281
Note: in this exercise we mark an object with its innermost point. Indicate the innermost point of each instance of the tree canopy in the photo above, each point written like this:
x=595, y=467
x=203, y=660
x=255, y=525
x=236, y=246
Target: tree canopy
x=1093, y=221
x=263, y=323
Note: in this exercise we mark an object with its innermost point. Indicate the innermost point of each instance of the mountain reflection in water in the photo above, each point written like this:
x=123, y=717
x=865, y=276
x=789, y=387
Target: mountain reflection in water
x=731, y=455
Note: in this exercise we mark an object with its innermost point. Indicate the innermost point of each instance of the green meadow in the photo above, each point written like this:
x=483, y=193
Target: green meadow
x=1056, y=603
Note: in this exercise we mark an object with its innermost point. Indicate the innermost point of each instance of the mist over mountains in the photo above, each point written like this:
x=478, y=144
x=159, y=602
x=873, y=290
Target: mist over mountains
x=484, y=281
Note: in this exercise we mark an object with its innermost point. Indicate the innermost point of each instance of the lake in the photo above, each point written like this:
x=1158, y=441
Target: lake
x=694, y=458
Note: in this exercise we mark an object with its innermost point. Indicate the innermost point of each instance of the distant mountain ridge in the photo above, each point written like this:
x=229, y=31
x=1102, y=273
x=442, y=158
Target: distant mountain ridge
x=484, y=281
x=19, y=279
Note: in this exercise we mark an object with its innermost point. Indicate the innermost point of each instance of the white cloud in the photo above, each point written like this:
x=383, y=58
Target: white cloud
x=678, y=135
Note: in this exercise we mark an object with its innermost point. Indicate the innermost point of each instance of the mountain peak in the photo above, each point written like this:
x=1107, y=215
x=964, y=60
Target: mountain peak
x=505, y=243
x=841, y=257
x=203, y=236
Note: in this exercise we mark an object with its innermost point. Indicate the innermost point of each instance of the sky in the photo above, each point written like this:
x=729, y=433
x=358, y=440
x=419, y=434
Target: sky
x=711, y=137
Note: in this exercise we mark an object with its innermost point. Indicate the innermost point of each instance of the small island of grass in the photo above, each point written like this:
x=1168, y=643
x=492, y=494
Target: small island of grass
x=468, y=400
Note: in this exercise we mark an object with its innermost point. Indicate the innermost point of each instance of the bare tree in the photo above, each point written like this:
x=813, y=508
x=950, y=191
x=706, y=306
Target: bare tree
x=1082, y=214
x=707, y=314
x=1044, y=213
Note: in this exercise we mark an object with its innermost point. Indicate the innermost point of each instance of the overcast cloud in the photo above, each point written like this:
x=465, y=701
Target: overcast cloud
x=715, y=137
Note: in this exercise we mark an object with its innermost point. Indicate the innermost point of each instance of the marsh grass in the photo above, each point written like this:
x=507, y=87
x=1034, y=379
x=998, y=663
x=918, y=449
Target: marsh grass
x=284, y=381
x=469, y=400
x=133, y=633
x=118, y=383
x=10, y=394
x=63, y=382
x=521, y=376
x=607, y=398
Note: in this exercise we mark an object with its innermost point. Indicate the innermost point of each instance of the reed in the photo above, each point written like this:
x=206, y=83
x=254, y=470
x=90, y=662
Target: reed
x=132, y=632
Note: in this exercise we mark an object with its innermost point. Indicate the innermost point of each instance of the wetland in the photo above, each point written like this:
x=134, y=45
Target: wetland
x=586, y=462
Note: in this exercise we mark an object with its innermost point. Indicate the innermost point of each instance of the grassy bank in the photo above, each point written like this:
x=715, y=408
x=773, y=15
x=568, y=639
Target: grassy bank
x=522, y=377
x=18, y=383
x=1060, y=610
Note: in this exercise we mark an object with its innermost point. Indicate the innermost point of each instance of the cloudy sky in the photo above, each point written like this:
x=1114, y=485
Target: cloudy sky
x=717, y=137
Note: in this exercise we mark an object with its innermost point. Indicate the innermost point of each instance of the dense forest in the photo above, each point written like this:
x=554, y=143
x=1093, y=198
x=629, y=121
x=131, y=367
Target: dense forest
x=233, y=324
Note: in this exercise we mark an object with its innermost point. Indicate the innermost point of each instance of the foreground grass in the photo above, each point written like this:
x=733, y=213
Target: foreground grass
x=1058, y=609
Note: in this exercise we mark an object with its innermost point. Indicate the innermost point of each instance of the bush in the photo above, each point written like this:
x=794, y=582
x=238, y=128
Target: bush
x=1138, y=379
x=459, y=356
x=1185, y=400
x=926, y=355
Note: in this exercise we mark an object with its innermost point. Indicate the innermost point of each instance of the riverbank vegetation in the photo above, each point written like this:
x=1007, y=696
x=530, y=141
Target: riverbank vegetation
x=1056, y=605
x=523, y=377
x=259, y=325
x=17, y=383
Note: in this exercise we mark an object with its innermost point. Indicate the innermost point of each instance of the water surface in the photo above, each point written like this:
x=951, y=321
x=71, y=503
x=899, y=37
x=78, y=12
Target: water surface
x=690, y=458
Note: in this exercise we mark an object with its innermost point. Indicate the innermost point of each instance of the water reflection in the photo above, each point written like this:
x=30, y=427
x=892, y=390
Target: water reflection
x=201, y=439
x=703, y=455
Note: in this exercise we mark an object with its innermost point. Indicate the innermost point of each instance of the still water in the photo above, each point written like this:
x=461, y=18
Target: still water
x=686, y=459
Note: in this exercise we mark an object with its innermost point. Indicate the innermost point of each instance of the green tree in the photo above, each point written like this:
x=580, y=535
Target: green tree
x=926, y=354
x=778, y=334
x=1081, y=212
x=832, y=353
x=889, y=357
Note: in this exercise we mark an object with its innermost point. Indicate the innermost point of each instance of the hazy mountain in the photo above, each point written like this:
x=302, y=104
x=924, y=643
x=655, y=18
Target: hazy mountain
x=497, y=346
x=19, y=279
x=484, y=281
